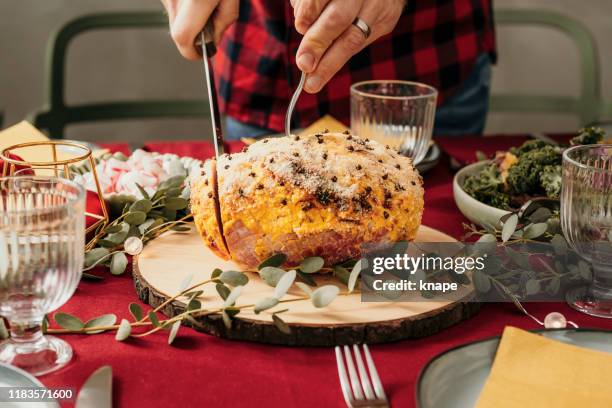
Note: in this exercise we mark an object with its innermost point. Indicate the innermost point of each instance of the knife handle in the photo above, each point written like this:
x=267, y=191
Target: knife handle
x=209, y=38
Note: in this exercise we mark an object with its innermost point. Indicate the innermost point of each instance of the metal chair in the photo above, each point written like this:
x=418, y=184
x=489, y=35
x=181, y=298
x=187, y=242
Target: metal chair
x=589, y=106
x=55, y=114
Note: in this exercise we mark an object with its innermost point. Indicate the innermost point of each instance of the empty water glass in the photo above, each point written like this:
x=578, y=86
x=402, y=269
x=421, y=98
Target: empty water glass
x=586, y=219
x=42, y=237
x=399, y=114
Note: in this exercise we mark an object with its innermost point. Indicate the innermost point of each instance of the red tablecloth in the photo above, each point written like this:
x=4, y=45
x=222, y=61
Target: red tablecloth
x=202, y=370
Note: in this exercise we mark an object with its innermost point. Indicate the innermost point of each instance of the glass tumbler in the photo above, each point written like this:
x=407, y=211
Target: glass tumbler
x=42, y=236
x=399, y=114
x=586, y=220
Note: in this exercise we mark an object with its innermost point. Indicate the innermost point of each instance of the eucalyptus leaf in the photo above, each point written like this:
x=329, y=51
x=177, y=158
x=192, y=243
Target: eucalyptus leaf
x=68, y=321
x=106, y=243
x=306, y=278
x=519, y=258
x=559, y=244
x=222, y=290
x=101, y=321
x=175, y=181
x=542, y=214
x=143, y=205
x=194, y=304
x=227, y=320
x=354, y=275
x=111, y=229
x=173, y=331
x=312, y=264
x=119, y=236
x=304, y=288
x=144, y=193
x=124, y=330
x=324, y=295
x=185, y=283
x=341, y=274
x=275, y=260
x=175, y=203
x=94, y=255
x=154, y=320
x=509, y=227
x=135, y=217
x=284, y=283
x=146, y=225
x=215, y=273
x=231, y=311
x=553, y=286
x=136, y=311
x=233, y=296
x=118, y=263
x=233, y=278
x=280, y=324
x=265, y=304
x=532, y=287
x=532, y=231
x=271, y=275
x=482, y=282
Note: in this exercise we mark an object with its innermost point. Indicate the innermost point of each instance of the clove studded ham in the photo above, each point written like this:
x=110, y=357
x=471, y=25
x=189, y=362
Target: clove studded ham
x=320, y=195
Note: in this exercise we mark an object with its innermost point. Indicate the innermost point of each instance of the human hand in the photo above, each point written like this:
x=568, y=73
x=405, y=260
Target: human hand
x=331, y=39
x=188, y=18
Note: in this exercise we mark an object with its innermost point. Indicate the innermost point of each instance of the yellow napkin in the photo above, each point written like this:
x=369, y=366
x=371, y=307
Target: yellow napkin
x=532, y=371
x=24, y=132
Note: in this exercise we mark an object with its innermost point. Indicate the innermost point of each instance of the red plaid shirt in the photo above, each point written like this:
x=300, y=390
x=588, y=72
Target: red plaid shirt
x=435, y=42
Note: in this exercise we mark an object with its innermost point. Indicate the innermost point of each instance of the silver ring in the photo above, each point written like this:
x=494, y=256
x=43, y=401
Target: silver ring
x=363, y=27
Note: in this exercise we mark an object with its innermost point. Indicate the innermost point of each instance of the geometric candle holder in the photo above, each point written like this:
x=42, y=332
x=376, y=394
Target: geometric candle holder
x=72, y=155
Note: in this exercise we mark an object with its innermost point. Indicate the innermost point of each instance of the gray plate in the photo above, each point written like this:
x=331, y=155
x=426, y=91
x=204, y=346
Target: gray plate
x=455, y=378
x=14, y=377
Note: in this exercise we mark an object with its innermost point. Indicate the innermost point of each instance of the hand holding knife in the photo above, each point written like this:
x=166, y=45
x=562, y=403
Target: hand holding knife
x=209, y=49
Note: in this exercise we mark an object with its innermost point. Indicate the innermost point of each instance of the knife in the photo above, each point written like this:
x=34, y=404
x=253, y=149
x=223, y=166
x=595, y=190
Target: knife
x=97, y=392
x=208, y=51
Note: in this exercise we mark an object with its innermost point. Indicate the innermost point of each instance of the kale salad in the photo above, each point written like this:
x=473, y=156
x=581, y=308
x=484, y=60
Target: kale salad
x=523, y=173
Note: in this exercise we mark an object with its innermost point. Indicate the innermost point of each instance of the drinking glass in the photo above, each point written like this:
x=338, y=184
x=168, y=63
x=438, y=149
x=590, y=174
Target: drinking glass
x=586, y=220
x=399, y=114
x=42, y=236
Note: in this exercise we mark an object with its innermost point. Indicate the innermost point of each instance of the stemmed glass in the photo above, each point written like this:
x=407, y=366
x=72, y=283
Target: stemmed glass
x=586, y=220
x=399, y=114
x=42, y=238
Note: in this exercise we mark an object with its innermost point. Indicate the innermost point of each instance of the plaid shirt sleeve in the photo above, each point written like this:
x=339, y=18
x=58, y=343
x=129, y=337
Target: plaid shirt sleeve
x=435, y=42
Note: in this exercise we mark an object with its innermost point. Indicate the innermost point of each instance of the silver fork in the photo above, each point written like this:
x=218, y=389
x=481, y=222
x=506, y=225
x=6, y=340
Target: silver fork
x=363, y=390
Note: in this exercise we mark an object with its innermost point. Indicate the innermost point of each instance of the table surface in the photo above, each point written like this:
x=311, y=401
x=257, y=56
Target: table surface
x=202, y=370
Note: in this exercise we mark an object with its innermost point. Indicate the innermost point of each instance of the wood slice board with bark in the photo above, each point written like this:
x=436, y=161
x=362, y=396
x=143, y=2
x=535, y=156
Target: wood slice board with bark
x=167, y=261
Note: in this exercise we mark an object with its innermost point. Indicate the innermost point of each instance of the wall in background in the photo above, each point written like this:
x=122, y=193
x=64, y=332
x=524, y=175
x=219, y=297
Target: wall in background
x=126, y=65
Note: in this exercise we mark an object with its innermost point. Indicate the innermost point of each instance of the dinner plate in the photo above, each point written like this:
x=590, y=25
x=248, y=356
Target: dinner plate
x=454, y=378
x=11, y=376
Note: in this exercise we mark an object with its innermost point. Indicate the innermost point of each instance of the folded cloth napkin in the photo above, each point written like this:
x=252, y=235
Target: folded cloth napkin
x=533, y=371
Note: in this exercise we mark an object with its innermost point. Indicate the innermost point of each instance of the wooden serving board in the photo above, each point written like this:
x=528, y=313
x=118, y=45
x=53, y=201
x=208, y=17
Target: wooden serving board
x=166, y=261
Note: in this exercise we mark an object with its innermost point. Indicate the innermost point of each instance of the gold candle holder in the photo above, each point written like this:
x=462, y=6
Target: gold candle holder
x=78, y=154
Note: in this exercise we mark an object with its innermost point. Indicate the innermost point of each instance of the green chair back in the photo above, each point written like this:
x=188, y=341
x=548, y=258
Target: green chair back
x=55, y=114
x=589, y=106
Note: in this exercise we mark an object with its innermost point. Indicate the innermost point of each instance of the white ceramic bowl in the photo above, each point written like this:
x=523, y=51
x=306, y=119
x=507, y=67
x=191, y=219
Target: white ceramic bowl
x=474, y=210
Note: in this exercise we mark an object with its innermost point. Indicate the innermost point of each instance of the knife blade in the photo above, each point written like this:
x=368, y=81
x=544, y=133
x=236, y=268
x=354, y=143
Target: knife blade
x=97, y=392
x=208, y=51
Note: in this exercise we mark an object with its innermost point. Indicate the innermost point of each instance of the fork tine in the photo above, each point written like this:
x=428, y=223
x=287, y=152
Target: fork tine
x=357, y=392
x=378, y=388
x=344, y=383
x=363, y=374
